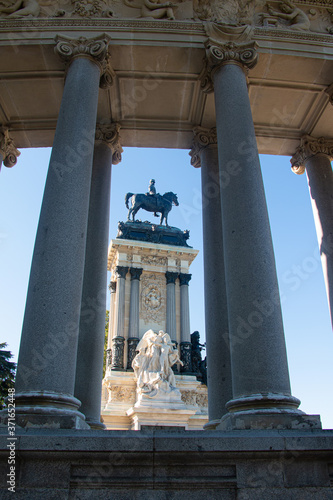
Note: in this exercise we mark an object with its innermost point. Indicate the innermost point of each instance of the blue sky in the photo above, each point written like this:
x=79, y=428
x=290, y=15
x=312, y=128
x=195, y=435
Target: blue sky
x=308, y=330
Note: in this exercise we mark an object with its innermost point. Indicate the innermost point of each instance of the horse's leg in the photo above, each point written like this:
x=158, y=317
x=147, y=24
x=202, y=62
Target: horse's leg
x=161, y=218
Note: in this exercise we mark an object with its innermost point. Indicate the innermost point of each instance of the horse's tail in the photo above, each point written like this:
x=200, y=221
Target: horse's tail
x=127, y=197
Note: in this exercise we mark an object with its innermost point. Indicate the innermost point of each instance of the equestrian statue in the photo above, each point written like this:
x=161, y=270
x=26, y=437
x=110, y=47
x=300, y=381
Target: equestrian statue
x=151, y=202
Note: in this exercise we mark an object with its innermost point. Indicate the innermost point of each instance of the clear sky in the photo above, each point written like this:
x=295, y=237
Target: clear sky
x=308, y=330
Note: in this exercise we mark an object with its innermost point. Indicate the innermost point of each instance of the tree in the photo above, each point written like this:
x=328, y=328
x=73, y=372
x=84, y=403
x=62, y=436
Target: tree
x=7, y=373
x=105, y=340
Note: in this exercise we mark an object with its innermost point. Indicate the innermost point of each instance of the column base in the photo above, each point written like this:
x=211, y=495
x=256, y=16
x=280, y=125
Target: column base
x=267, y=411
x=48, y=410
x=95, y=424
x=212, y=425
x=117, y=353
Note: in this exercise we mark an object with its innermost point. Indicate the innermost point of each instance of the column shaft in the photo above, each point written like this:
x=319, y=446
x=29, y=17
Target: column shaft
x=112, y=312
x=119, y=338
x=320, y=179
x=171, y=321
x=89, y=367
x=216, y=310
x=46, y=367
x=133, y=330
x=258, y=352
x=185, y=332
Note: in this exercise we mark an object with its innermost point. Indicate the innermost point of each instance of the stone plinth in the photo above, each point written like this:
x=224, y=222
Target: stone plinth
x=170, y=415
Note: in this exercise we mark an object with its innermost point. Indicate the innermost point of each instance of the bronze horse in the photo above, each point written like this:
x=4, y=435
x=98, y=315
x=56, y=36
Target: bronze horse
x=157, y=203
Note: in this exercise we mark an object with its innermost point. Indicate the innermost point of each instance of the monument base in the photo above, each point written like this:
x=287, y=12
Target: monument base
x=266, y=420
x=169, y=416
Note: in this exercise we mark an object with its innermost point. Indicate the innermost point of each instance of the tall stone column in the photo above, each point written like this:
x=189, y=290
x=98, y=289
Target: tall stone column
x=112, y=288
x=8, y=151
x=47, y=359
x=185, y=332
x=314, y=156
x=260, y=378
x=133, y=330
x=119, y=324
x=205, y=155
x=89, y=364
x=171, y=324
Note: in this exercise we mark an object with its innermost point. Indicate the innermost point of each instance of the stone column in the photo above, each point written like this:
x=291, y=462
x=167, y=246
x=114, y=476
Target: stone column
x=47, y=359
x=133, y=330
x=204, y=154
x=314, y=156
x=185, y=332
x=261, y=388
x=119, y=324
x=8, y=151
x=89, y=364
x=171, y=324
x=112, y=288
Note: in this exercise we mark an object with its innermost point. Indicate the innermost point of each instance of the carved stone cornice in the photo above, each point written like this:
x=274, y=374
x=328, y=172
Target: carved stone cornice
x=203, y=137
x=121, y=271
x=308, y=148
x=135, y=273
x=95, y=49
x=110, y=135
x=8, y=150
x=243, y=54
x=184, y=278
x=171, y=277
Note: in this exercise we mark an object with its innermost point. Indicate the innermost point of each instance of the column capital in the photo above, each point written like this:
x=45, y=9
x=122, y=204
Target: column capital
x=8, y=150
x=171, y=277
x=184, y=279
x=95, y=49
x=203, y=138
x=113, y=286
x=135, y=273
x=110, y=135
x=121, y=271
x=309, y=147
x=219, y=54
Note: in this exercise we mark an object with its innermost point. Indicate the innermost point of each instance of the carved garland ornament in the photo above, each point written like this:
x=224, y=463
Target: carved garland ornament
x=203, y=137
x=217, y=55
x=94, y=48
x=153, y=260
x=309, y=147
x=152, y=298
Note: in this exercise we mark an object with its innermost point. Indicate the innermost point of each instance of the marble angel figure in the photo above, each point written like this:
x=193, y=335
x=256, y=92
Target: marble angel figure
x=153, y=364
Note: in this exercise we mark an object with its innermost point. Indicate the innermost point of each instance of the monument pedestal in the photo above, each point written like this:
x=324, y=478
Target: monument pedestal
x=170, y=415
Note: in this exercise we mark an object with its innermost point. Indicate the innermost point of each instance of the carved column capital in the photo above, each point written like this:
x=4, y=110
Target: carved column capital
x=171, y=277
x=309, y=147
x=184, y=278
x=203, y=138
x=135, y=273
x=8, y=150
x=113, y=286
x=121, y=271
x=110, y=135
x=243, y=54
x=95, y=49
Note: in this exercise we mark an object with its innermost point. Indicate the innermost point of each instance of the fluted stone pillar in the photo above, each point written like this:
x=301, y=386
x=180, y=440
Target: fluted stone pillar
x=205, y=155
x=89, y=364
x=185, y=332
x=8, y=151
x=118, y=340
x=133, y=330
x=112, y=288
x=171, y=323
x=314, y=156
x=47, y=359
x=260, y=379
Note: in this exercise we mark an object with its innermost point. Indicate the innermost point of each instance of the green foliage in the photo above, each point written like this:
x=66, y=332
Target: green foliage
x=105, y=340
x=7, y=373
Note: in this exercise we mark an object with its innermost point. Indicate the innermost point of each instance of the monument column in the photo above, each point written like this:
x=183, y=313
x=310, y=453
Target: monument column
x=260, y=379
x=47, y=360
x=89, y=364
x=204, y=154
x=314, y=156
x=133, y=331
x=8, y=151
x=185, y=332
x=171, y=324
x=112, y=288
x=119, y=323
